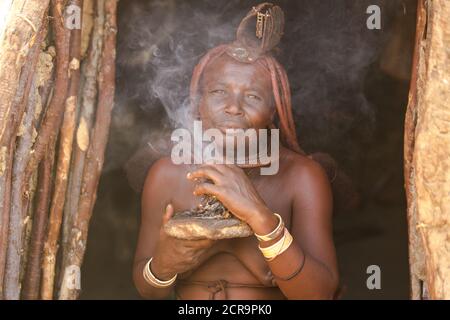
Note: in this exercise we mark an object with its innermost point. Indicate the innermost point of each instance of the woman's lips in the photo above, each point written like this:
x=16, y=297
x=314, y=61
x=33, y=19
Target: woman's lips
x=224, y=126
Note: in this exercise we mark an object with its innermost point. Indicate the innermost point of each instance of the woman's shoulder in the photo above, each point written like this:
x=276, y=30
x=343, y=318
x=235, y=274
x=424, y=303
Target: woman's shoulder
x=298, y=165
x=303, y=174
x=164, y=172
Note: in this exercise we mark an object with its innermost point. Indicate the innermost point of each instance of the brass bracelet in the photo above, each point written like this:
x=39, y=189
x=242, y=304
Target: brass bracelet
x=274, y=233
x=273, y=249
x=277, y=248
x=154, y=281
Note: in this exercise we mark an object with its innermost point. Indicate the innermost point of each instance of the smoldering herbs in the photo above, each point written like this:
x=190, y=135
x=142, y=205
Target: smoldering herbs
x=209, y=208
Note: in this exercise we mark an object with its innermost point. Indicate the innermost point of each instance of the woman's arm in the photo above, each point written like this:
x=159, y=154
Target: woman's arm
x=154, y=199
x=170, y=255
x=311, y=225
x=311, y=228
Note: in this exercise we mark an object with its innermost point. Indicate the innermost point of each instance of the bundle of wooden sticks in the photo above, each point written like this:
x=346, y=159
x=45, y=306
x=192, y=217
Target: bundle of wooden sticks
x=57, y=63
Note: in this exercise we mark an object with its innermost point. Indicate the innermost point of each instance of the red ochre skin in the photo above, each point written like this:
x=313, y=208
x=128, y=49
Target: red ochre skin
x=235, y=94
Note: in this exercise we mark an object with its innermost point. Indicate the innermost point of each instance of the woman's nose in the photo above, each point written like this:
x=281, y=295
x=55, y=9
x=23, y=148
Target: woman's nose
x=234, y=107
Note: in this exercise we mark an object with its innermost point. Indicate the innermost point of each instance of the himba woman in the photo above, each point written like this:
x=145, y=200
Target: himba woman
x=291, y=254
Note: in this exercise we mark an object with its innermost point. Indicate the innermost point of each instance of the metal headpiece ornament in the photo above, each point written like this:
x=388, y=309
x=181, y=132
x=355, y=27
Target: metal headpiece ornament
x=258, y=33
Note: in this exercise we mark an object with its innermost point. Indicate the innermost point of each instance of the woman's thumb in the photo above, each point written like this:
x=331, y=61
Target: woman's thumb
x=167, y=214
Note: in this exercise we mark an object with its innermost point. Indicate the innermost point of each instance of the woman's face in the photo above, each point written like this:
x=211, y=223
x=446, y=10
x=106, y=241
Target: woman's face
x=235, y=95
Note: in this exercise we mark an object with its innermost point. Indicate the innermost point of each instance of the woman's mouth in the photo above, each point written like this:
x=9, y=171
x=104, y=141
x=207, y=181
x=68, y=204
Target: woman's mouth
x=230, y=126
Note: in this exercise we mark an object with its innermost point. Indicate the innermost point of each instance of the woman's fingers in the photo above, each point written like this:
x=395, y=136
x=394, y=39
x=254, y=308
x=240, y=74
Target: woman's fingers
x=208, y=172
x=207, y=188
x=167, y=214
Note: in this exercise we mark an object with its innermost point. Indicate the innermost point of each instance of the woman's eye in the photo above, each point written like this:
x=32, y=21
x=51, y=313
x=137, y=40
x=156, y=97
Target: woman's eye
x=218, y=91
x=252, y=96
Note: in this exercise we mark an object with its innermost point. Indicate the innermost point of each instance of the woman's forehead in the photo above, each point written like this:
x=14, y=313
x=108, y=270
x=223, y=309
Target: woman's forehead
x=226, y=69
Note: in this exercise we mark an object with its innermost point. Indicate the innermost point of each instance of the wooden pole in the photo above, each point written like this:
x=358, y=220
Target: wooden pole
x=32, y=276
x=24, y=21
x=95, y=154
x=33, y=273
x=427, y=160
x=63, y=165
x=19, y=187
x=54, y=115
x=416, y=252
x=28, y=142
x=88, y=99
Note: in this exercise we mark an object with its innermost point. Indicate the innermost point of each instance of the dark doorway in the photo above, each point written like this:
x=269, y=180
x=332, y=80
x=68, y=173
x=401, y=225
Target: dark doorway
x=350, y=89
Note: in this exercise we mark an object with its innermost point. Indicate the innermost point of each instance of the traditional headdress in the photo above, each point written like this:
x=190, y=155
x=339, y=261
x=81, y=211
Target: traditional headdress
x=258, y=33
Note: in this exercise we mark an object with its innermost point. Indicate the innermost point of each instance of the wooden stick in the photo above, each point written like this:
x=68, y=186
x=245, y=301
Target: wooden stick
x=431, y=161
x=13, y=258
x=416, y=256
x=18, y=211
x=33, y=272
x=95, y=155
x=62, y=169
x=52, y=119
x=5, y=181
x=88, y=99
x=28, y=225
x=25, y=18
x=6, y=154
x=46, y=88
x=31, y=281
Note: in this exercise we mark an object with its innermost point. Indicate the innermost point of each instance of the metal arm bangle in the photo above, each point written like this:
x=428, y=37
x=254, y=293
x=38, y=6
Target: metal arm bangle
x=295, y=273
x=274, y=233
x=154, y=281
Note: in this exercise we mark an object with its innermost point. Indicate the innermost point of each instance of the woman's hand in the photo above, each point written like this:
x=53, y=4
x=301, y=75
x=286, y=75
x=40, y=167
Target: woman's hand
x=174, y=255
x=234, y=189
